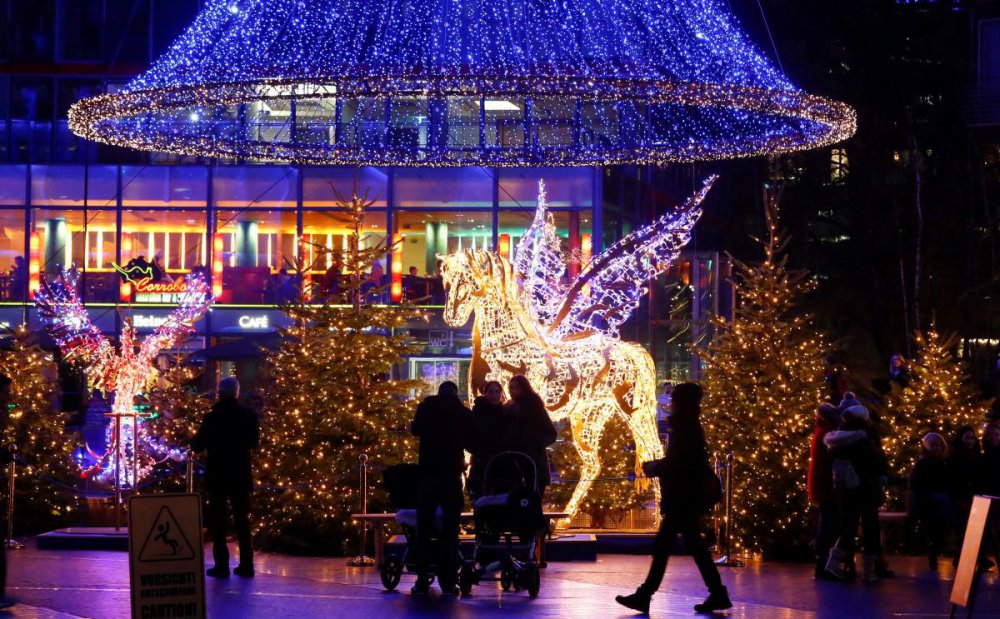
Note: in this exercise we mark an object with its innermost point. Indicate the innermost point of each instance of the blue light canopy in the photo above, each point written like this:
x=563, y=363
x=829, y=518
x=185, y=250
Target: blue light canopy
x=464, y=82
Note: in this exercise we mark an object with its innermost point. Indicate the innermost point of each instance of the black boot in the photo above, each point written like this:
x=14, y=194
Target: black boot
x=637, y=601
x=717, y=600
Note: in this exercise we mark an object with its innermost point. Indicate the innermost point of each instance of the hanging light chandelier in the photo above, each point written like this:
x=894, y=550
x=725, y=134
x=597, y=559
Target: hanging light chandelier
x=464, y=82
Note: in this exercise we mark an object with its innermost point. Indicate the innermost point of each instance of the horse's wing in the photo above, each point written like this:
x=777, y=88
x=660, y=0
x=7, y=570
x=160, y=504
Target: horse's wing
x=609, y=288
x=193, y=304
x=59, y=306
x=539, y=264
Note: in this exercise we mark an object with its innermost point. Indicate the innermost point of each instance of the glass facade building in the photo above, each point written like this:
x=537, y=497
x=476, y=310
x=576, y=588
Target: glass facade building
x=66, y=201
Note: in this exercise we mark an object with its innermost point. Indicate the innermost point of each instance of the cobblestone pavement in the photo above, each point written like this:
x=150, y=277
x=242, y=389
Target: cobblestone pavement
x=68, y=584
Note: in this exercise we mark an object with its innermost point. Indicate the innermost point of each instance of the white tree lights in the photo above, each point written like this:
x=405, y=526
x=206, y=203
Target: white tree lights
x=124, y=372
x=565, y=338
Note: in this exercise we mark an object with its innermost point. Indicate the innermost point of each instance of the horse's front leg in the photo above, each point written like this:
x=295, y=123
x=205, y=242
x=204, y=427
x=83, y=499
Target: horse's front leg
x=587, y=440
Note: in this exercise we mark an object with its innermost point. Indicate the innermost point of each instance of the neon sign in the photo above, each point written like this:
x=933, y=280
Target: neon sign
x=138, y=280
x=254, y=322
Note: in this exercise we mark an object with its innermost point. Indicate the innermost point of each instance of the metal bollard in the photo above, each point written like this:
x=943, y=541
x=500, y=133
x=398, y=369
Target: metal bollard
x=190, y=472
x=11, y=543
x=727, y=559
x=363, y=560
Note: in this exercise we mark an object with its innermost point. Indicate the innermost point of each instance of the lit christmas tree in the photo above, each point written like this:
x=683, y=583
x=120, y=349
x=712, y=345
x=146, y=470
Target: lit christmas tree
x=763, y=380
x=38, y=430
x=938, y=398
x=616, y=493
x=329, y=398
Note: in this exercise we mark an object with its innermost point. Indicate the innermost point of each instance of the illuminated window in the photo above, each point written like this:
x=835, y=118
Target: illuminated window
x=839, y=165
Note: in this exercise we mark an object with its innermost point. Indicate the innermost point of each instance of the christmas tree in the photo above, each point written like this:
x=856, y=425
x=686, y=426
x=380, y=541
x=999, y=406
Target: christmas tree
x=616, y=493
x=763, y=379
x=38, y=429
x=938, y=397
x=330, y=397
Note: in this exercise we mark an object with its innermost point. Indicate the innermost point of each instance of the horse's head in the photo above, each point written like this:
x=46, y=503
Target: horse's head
x=471, y=277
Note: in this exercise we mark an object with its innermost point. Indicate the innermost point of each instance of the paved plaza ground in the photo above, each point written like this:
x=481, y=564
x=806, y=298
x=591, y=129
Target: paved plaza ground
x=68, y=584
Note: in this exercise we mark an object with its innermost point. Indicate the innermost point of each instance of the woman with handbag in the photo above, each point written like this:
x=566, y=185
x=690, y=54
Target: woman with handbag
x=859, y=473
x=688, y=493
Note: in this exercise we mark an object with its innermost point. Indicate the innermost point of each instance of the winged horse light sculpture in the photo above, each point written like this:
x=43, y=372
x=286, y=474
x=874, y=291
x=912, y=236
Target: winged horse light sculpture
x=564, y=336
x=125, y=371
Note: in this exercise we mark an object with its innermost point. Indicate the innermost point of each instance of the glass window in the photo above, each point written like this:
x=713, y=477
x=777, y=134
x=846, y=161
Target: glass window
x=164, y=186
x=13, y=184
x=320, y=186
x=256, y=245
x=572, y=227
x=13, y=263
x=69, y=91
x=64, y=238
x=261, y=187
x=32, y=37
x=127, y=31
x=330, y=229
x=176, y=240
x=443, y=187
x=80, y=25
x=31, y=98
x=426, y=234
x=564, y=187
x=65, y=185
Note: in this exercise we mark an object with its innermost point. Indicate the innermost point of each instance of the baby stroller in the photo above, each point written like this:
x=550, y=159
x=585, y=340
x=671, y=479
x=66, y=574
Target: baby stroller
x=508, y=520
x=401, y=482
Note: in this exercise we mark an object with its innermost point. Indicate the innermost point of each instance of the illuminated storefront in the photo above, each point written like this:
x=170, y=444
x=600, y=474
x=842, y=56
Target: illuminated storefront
x=242, y=225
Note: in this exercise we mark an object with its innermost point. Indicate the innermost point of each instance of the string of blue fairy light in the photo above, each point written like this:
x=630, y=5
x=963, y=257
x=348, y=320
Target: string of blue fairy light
x=464, y=82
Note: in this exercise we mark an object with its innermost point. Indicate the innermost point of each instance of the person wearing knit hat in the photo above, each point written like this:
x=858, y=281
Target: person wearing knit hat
x=821, y=491
x=849, y=400
x=860, y=469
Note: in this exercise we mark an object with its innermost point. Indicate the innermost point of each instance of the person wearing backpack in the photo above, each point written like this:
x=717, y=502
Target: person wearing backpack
x=688, y=493
x=859, y=477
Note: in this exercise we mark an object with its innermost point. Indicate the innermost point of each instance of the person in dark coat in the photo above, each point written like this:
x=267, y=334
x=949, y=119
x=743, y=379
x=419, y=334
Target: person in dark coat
x=682, y=475
x=529, y=428
x=856, y=445
x=963, y=470
x=821, y=492
x=229, y=433
x=989, y=464
x=930, y=494
x=488, y=435
x=443, y=425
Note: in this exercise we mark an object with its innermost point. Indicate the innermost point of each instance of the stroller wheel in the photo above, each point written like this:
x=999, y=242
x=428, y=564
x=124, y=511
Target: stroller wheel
x=390, y=572
x=507, y=579
x=532, y=580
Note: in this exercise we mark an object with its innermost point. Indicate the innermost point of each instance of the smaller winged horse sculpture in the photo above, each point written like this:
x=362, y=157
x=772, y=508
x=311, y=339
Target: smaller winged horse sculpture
x=564, y=336
x=125, y=371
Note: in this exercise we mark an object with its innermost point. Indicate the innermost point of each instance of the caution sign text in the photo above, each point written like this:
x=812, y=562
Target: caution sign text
x=165, y=556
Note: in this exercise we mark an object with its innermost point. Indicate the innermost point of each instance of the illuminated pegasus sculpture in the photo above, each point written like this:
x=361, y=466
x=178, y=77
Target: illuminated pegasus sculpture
x=564, y=336
x=124, y=372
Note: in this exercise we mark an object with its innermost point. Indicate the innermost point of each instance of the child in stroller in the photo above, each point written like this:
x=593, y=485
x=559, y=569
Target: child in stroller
x=508, y=520
x=401, y=482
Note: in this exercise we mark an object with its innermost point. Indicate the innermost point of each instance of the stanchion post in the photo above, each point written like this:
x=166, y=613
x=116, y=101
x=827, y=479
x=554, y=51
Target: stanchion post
x=363, y=560
x=11, y=543
x=717, y=467
x=190, y=472
x=727, y=559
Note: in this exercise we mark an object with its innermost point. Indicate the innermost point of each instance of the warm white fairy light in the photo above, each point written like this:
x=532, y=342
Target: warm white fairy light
x=583, y=372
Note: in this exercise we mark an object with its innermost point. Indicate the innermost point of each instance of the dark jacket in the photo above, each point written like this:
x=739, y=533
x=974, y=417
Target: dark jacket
x=858, y=444
x=443, y=425
x=963, y=474
x=229, y=432
x=929, y=477
x=683, y=470
x=489, y=428
x=530, y=430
